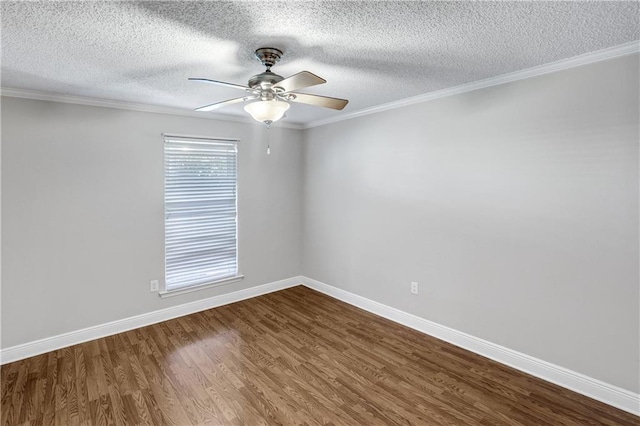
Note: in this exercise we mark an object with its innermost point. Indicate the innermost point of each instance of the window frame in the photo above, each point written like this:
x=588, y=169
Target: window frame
x=164, y=291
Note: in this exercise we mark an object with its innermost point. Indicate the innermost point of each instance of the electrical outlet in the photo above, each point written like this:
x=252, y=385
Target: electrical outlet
x=153, y=285
x=414, y=287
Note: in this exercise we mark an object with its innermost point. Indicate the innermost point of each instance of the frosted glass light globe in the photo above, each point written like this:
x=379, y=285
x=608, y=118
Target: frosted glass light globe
x=267, y=111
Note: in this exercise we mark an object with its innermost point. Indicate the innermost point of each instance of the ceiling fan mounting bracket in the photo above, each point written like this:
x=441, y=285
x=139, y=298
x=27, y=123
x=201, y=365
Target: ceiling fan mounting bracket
x=268, y=56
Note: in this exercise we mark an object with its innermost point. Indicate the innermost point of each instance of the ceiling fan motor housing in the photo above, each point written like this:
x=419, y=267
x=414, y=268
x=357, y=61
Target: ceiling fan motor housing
x=264, y=80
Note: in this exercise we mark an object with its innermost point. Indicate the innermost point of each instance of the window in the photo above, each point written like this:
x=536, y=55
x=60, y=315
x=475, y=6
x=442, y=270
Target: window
x=200, y=192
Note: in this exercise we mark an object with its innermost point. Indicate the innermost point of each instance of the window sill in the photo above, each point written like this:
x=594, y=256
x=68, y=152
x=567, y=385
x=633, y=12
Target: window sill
x=177, y=292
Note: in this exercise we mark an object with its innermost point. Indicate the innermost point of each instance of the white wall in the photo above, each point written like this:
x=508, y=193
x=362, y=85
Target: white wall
x=515, y=208
x=83, y=222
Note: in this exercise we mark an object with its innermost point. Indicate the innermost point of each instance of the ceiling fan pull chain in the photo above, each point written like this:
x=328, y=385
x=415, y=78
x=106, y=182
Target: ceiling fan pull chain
x=268, y=144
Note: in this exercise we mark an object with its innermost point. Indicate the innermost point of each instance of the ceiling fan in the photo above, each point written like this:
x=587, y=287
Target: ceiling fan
x=273, y=92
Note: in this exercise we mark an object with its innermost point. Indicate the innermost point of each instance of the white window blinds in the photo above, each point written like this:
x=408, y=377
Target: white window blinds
x=200, y=189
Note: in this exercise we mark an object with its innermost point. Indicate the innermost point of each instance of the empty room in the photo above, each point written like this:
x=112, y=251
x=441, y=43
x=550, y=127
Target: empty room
x=320, y=213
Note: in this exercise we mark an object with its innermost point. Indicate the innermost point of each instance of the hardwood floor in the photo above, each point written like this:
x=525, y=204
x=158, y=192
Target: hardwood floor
x=291, y=357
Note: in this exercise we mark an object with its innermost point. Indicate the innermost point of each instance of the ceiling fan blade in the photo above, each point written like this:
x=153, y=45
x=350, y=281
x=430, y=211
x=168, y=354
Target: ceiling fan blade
x=322, y=101
x=299, y=81
x=224, y=103
x=220, y=83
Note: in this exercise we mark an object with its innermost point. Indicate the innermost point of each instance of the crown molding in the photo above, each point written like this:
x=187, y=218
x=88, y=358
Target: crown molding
x=576, y=61
x=80, y=100
x=563, y=64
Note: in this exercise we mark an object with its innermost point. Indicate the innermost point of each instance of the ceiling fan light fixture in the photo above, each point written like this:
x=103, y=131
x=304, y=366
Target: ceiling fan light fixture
x=267, y=111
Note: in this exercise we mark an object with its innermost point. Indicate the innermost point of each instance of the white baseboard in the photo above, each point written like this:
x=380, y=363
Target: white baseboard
x=593, y=388
x=38, y=347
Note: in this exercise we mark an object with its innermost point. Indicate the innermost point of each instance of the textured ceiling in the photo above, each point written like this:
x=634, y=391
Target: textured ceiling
x=369, y=52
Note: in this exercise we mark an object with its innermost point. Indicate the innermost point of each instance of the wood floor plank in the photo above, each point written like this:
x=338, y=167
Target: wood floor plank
x=294, y=357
